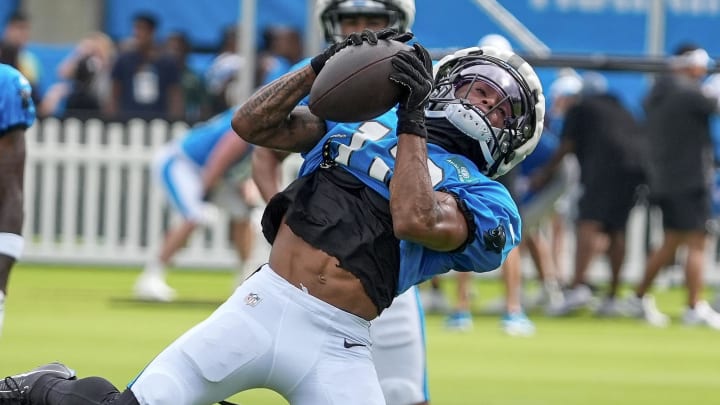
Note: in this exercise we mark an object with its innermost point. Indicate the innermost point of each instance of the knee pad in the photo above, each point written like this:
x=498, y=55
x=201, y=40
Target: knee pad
x=11, y=245
x=398, y=391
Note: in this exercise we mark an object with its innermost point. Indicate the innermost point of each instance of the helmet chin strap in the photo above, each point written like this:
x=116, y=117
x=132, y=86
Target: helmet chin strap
x=471, y=124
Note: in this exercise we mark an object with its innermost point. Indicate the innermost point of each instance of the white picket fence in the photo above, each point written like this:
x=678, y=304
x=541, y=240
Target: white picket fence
x=91, y=199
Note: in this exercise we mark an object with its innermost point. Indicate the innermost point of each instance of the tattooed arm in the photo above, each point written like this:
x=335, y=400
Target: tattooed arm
x=271, y=117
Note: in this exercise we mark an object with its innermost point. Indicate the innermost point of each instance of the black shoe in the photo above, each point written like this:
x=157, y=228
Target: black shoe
x=15, y=390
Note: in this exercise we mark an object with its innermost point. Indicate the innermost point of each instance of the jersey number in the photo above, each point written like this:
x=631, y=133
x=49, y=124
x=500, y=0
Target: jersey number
x=378, y=169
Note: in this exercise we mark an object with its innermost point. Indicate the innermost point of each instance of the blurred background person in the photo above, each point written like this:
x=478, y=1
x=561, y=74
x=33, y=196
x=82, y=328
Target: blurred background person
x=84, y=86
x=205, y=169
x=221, y=76
x=680, y=174
x=17, y=33
x=711, y=88
x=281, y=50
x=564, y=92
x=9, y=54
x=605, y=137
x=192, y=84
x=538, y=211
x=145, y=81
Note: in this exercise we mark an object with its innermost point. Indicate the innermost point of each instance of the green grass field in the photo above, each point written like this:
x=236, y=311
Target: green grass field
x=85, y=318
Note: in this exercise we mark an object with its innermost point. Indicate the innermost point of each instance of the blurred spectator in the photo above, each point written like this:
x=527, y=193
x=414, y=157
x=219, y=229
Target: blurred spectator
x=537, y=208
x=680, y=177
x=221, y=76
x=711, y=88
x=207, y=169
x=84, y=88
x=604, y=136
x=282, y=49
x=17, y=33
x=193, y=86
x=145, y=82
x=563, y=93
x=9, y=54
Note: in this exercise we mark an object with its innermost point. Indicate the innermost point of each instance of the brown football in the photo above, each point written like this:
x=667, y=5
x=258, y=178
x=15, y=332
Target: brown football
x=354, y=86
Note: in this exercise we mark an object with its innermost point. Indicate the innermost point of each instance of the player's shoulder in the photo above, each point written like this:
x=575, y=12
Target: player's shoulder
x=7, y=70
x=11, y=76
x=14, y=85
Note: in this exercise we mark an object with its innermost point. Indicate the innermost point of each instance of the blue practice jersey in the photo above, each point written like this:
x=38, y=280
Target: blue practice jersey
x=200, y=141
x=16, y=106
x=367, y=150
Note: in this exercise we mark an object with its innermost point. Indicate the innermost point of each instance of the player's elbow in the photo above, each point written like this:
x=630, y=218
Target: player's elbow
x=246, y=127
x=410, y=226
x=242, y=128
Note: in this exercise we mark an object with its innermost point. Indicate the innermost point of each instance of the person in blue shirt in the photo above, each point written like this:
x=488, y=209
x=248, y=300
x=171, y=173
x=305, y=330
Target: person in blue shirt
x=379, y=206
x=17, y=113
x=205, y=169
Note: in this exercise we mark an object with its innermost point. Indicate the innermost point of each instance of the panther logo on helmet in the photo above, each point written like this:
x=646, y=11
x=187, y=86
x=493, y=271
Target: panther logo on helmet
x=400, y=14
x=515, y=80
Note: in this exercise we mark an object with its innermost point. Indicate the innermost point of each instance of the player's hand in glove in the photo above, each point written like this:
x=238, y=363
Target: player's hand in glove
x=356, y=39
x=412, y=71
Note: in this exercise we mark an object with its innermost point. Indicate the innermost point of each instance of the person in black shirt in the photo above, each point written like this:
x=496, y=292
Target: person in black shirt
x=680, y=176
x=604, y=136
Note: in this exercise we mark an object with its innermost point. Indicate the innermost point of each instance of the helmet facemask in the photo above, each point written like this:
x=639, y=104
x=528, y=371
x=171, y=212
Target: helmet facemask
x=331, y=18
x=499, y=140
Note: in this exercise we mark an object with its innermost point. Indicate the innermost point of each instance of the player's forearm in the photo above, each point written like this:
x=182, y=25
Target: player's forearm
x=258, y=118
x=412, y=198
x=420, y=214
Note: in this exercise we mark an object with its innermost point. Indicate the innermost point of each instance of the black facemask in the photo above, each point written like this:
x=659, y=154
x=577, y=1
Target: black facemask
x=447, y=136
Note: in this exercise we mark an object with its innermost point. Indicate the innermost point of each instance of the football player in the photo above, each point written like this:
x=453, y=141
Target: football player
x=17, y=113
x=398, y=334
x=347, y=240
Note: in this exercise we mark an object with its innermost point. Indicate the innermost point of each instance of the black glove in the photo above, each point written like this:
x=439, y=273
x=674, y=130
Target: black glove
x=355, y=39
x=412, y=71
x=391, y=34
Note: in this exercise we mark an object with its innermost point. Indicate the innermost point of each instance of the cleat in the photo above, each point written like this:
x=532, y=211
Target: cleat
x=459, y=321
x=153, y=288
x=645, y=308
x=578, y=297
x=608, y=308
x=15, y=390
x=703, y=315
x=517, y=324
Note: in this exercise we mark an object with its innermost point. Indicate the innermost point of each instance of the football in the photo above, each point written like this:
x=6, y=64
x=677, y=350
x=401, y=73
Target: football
x=354, y=86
